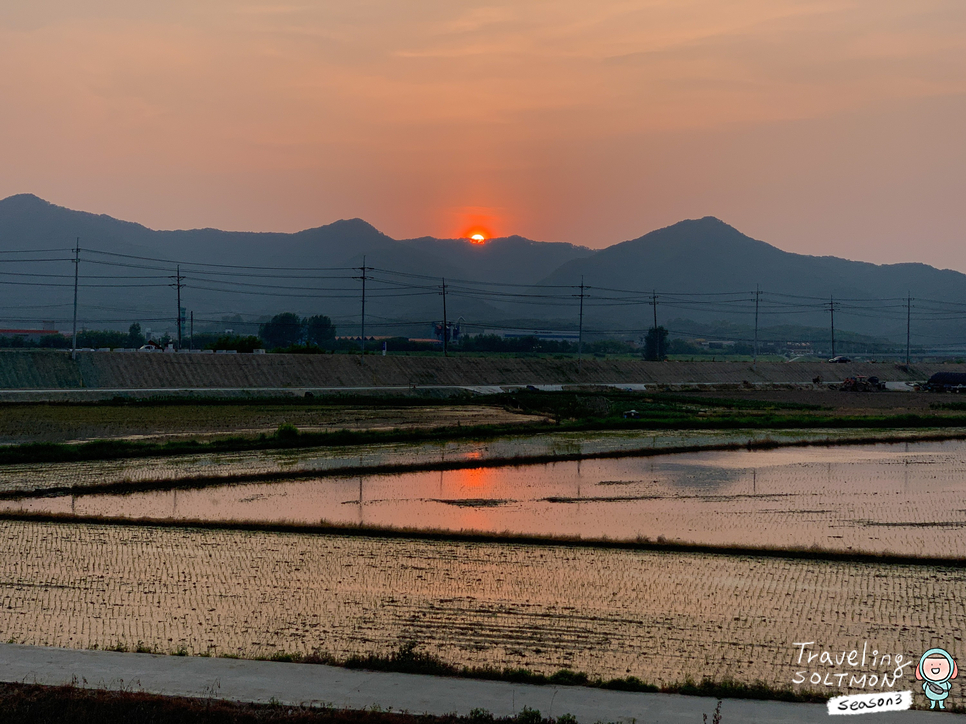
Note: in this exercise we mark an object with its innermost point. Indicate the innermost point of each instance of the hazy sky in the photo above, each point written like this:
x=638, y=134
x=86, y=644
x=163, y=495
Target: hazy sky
x=824, y=127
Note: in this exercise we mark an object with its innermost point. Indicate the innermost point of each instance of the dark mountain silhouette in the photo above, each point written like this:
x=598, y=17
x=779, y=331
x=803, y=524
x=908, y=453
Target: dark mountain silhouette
x=703, y=256
x=330, y=256
x=511, y=259
x=707, y=256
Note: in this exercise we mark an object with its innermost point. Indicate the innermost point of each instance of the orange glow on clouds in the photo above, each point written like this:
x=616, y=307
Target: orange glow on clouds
x=477, y=224
x=583, y=122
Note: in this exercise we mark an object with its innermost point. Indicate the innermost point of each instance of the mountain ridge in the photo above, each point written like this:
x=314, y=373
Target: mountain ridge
x=703, y=268
x=41, y=203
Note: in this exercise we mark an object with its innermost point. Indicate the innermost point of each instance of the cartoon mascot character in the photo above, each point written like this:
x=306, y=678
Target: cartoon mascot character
x=936, y=669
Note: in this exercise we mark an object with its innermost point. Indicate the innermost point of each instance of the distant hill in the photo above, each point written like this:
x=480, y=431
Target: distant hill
x=27, y=222
x=702, y=258
x=707, y=257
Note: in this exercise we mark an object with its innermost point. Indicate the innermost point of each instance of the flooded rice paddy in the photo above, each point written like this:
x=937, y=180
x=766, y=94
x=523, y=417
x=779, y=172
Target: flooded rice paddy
x=29, y=478
x=906, y=498
x=662, y=617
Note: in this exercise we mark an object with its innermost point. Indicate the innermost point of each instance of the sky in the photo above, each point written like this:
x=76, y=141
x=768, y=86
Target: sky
x=822, y=127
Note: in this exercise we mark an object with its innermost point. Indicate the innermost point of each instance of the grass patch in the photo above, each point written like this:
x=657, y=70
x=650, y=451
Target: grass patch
x=947, y=406
x=604, y=404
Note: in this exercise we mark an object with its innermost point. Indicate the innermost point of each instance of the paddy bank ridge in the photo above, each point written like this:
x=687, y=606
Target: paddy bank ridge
x=39, y=374
x=641, y=544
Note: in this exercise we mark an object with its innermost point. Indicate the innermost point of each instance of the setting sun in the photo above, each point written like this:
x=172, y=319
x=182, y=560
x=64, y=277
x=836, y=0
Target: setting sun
x=477, y=234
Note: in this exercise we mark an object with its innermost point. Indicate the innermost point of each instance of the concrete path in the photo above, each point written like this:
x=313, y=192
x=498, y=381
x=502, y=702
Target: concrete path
x=261, y=682
x=78, y=394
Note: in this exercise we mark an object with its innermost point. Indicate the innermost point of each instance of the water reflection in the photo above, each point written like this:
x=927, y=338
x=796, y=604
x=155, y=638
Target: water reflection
x=908, y=497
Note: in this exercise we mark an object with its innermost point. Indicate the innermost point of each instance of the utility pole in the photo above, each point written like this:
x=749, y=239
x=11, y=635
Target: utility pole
x=191, y=338
x=580, y=327
x=180, y=314
x=654, y=304
x=757, y=298
x=363, y=269
x=445, y=328
x=831, y=311
x=73, y=344
x=908, y=325
x=180, y=317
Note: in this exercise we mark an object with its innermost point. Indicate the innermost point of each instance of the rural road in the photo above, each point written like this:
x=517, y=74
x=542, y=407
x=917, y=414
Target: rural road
x=31, y=394
x=261, y=681
x=107, y=393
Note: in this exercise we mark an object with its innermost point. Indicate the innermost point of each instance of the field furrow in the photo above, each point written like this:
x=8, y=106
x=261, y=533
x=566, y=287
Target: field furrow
x=662, y=617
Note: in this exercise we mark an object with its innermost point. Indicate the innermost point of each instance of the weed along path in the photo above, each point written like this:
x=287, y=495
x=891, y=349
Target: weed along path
x=319, y=685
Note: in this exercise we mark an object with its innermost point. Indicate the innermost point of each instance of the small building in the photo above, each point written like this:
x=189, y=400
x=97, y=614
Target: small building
x=717, y=343
x=548, y=335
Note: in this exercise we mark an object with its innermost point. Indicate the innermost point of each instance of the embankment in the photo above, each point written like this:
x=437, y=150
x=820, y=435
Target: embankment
x=29, y=370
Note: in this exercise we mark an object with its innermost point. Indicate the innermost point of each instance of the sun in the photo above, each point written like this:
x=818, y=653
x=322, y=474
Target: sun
x=476, y=234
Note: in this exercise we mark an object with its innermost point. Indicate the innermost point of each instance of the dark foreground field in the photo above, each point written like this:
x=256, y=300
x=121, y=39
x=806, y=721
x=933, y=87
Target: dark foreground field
x=203, y=419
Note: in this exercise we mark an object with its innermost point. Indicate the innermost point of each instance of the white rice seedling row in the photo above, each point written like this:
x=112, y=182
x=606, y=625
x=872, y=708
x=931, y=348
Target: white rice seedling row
x=662, y=617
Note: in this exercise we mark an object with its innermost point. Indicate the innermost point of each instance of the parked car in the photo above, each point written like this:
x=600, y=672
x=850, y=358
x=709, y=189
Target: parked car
x=840, y=358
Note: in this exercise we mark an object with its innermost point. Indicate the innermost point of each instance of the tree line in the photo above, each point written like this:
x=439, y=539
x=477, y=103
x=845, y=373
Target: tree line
x=283, y=331
x=288, y=332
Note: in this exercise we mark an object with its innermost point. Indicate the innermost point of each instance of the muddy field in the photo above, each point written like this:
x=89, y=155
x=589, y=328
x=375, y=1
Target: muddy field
x=837, y=401
x=20, y=423
x=613, y=613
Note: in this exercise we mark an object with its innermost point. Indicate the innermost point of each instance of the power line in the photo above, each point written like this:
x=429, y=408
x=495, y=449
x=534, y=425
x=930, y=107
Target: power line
x=34, y=251
x=218, y=266
x=384, y=284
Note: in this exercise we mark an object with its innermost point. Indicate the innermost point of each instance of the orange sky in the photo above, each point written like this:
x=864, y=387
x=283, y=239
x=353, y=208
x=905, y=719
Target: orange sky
x=825, y=127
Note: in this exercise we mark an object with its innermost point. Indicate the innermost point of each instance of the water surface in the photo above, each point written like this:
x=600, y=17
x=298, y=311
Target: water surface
x=904, y=498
